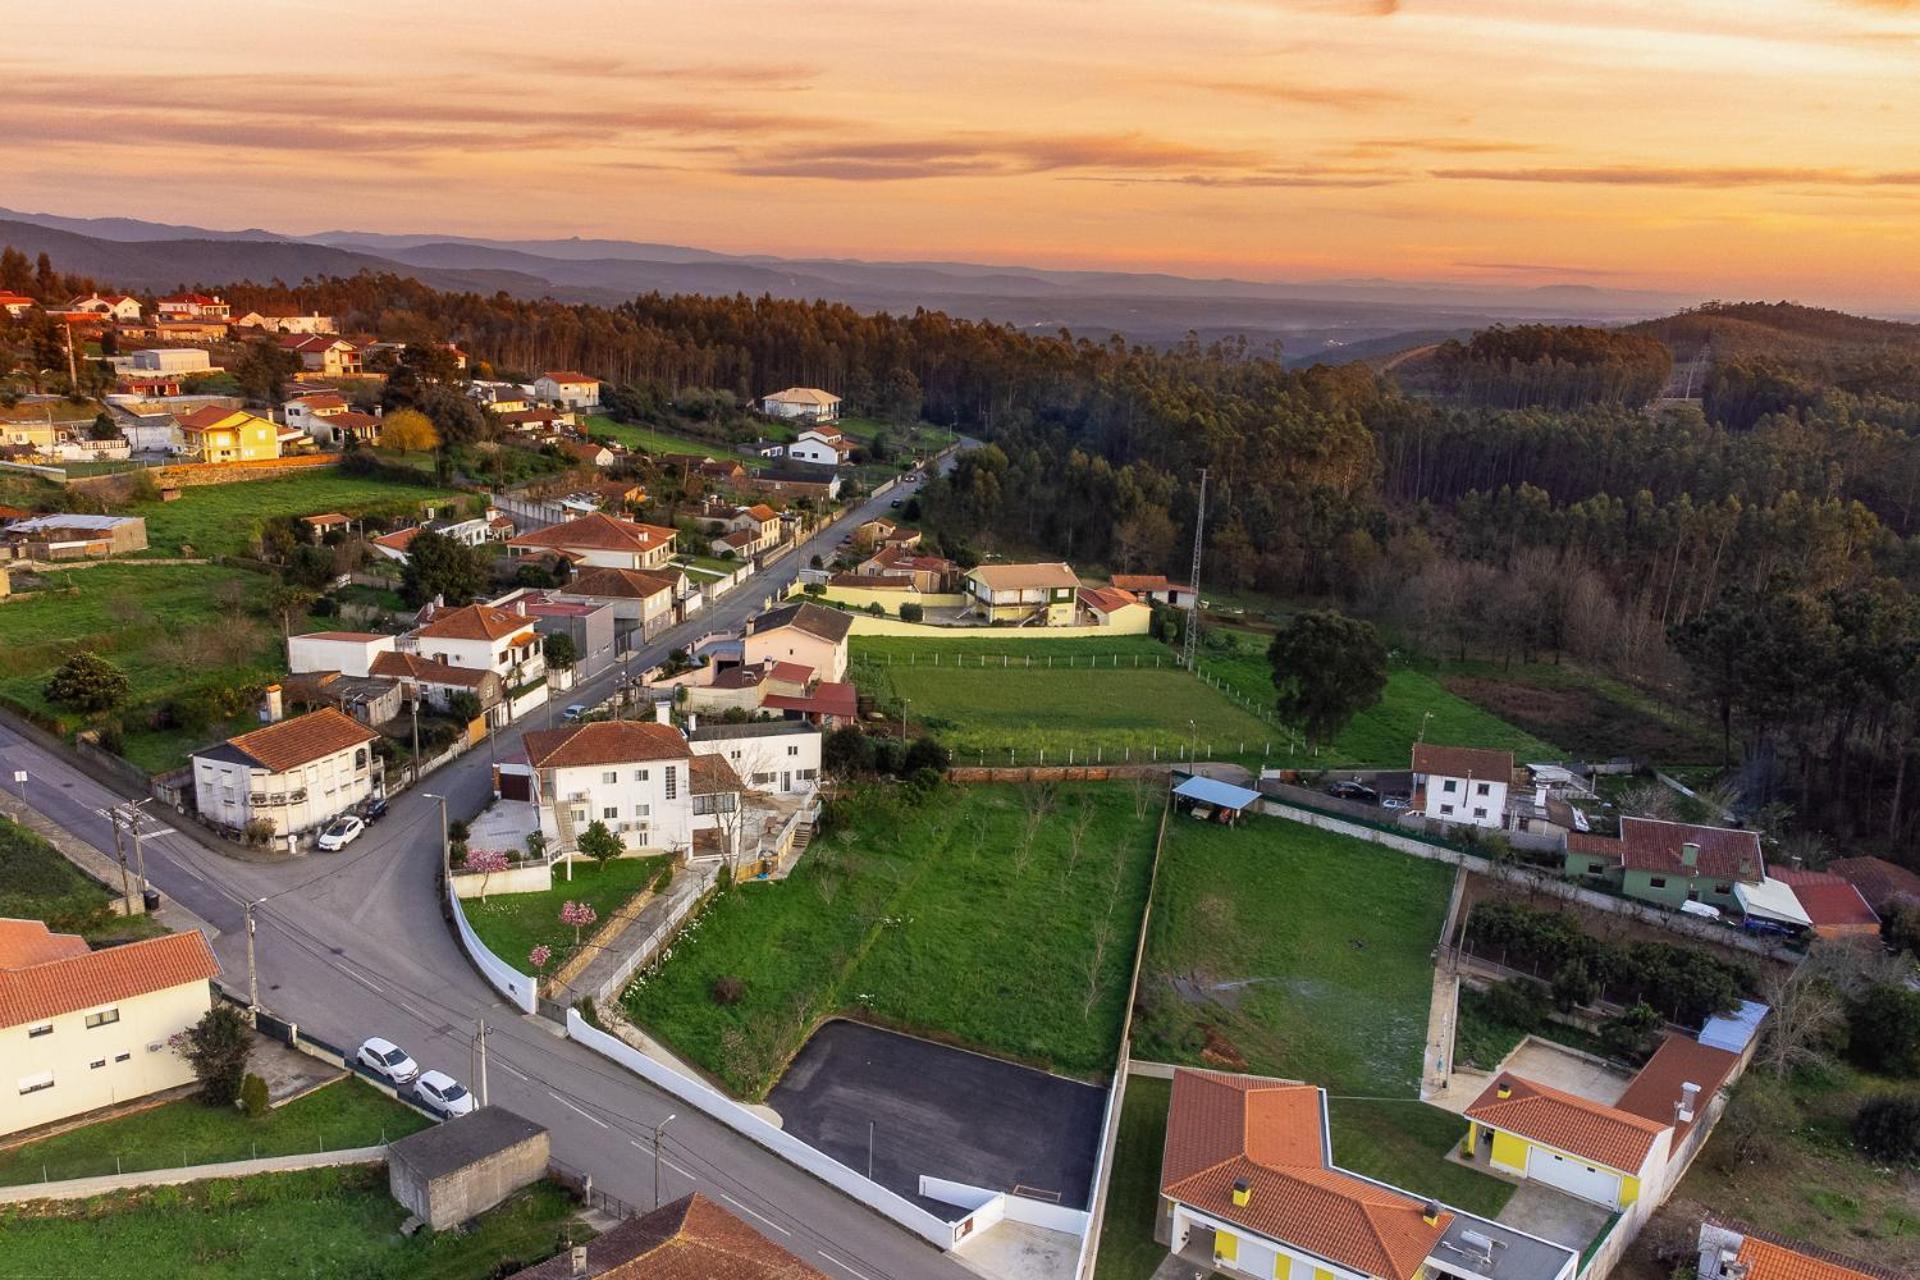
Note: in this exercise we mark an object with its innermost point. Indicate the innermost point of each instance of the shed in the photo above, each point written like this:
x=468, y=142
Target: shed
x=1210, y=798
x=1734, y=1031
x=457, y=1170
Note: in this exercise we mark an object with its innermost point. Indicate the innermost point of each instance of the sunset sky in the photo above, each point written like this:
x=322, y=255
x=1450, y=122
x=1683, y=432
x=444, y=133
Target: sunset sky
x=1720, y=147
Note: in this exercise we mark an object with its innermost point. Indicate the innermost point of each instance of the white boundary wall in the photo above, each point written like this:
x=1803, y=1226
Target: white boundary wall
x=736, y=1117
x=508, y=981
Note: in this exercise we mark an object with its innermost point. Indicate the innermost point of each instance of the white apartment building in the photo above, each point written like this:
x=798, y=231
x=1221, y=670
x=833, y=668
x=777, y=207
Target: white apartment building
x=639, y=777
x=567, y=388
x=1466, y=785
x=482, y=637
x=297, y=774
x=83, y=1029
x=779, y=756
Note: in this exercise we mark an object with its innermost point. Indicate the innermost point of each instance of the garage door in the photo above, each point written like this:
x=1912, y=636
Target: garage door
x=1575, y=1177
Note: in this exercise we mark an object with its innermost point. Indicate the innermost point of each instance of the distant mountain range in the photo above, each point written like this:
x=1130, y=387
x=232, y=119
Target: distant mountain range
x=1314, y=320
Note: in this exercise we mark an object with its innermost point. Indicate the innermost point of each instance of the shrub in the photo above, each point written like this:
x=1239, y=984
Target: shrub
x=87, y=682
x=1518, y=1003
x=1885, y=1030
x=1888, y=1127
x=661, y=881
x=1632, y=1035
x=877, y=609
x=253, y=1096
x=217, y=1047
x=258, y=830
x=911, y=612
x=927, y=753
x=728, y=989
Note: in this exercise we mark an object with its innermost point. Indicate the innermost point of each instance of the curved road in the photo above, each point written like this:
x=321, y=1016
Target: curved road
x=352, y=944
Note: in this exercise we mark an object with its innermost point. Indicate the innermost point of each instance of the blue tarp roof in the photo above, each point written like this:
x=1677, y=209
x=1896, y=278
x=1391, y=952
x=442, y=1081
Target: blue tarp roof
x=1734, y=1031
x=1211, y=791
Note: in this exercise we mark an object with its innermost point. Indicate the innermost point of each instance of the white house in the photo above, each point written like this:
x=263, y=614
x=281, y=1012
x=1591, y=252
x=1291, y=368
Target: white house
x=351, y=653
x=601, y=540
x=297, y=774
x=803, y=404
x=82, y=1029
x=804, y=633
x=781, y=756
x=1462, y=784
x=193, y=306
x=568, y=388
x=1155, y=587
x=312, y=324
x=639, y=777
x=172, y=360
x=822, y=446
x=481, y=637
x=320, y=353
x=645, y=602
x=115, y=306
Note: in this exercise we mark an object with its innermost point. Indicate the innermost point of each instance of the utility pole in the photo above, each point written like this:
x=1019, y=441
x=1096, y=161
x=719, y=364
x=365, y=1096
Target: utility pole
x=657, y=1131
x=253, y=973
x=904, y=704
x=414, y=702
x=120, y=850
x=1190, y=645
x=446, y=844
x=73, y=372
x=482, y=1043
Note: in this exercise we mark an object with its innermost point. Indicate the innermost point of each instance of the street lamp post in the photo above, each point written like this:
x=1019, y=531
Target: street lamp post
x=657, y=1131
x=446, y=847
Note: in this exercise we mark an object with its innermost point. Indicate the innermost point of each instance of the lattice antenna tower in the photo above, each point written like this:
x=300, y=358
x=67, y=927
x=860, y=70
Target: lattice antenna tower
x=1190, y=647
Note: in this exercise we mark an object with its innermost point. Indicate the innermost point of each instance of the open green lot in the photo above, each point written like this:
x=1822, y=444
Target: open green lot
x=1414, y=707
x=1102, y=699
x=513, y=924
x=223, y=519
x=323, y=1224
x=997, y=917
x=347, y=1113
x=1287, y=951
x=654, y=440
x=37, y=883
x=1128, y=1250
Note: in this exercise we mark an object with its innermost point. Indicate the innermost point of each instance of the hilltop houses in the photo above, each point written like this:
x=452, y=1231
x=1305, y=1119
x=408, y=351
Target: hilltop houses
x=601, y=540
x=802, y=404
x=821, y=446
x=230, y=435
x=566, y=389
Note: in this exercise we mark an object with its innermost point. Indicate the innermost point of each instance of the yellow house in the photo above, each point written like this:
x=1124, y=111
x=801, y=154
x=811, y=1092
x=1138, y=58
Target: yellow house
x=1047, y=593
x=230, y=435
x=83, y=1029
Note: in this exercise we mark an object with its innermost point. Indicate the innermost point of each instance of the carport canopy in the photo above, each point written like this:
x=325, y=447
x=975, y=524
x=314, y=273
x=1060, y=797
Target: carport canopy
x=1222, y=795
x=1772, y=900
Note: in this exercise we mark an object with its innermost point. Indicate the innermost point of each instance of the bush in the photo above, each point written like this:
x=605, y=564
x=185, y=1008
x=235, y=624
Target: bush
x=1884, y=1028
x=728, y=990
x=1518, y=1003
x=253, y=1096
x=877, y=609
x=258, y=830
x=927, y=754
x=1632, y=1035
x=1888, y=1127
x=217, y=1047
x=87, y=682
x=911, y=612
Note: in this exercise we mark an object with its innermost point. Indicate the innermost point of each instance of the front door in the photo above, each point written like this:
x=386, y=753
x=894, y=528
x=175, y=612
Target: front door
x=786, y=780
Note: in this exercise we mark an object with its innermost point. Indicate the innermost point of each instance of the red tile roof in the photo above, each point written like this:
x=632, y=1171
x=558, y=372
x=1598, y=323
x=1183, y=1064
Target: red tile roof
x=568, y=375
x=1462, y=762
x=326, y=518
x=67, y=984
x=1592, y=1130
x=392, y=665
x=1680, y=1060
x=627, y=584
x=399, y=539
x=691, y=1239
x=597, y=531
x=1880, y=882
x=1271, y=1134
x=1143, y=582
x=604, y=742
x=27, y=942
x=1830, y=901
x=474, y=622
x=1106, y=599
x=1647, y=844
x=1768, y=1255
x=836, y=698
x=790, y=672
x=302, y=740
x=712, y=775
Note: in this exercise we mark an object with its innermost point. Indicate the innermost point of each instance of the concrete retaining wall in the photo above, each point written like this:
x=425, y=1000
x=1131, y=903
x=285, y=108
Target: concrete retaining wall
x=86, y=1188
x=536, y=877
x=517, y=987
x=742, y=1121
x=866, y=625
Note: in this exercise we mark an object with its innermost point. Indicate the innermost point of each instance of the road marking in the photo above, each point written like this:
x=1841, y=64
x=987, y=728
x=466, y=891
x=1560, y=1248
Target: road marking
x=688, y=1174
x=569, y=1106
x=410, y=1009
x=369, y=983
x=510, y=1071
x=753, y=1213
x=843, y=1266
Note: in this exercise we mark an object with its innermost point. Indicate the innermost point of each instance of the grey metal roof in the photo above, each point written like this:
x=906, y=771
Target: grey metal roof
x=461, y=1141
x=750, y=729
x=1515, y=1255
x=68, y=520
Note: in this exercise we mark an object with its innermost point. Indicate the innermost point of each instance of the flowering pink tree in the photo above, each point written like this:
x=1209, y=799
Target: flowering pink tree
x=483, y=863
x=539, y=956
x=579, y=915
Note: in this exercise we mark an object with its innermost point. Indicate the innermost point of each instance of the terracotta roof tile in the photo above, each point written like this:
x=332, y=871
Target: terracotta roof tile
x=1146, y=582
x=1879, y=881
x=711, y=775
x=27, y=942
x=1680, y=1060
x=836, y=698
x=1106, y=599
x=1829, y=900
x=84, y=981
x=816, y=620
x=393, y=665
x=624, y=584
x=1271, y=1133
x=1462, y=762
x=596, y=532
x=1768, y=1255
x=474, y=622
x=691, y=1239
x=1647, y=844
x=302, y=739
x=604, y=742
x=1580, y=1126
x=1024, y=577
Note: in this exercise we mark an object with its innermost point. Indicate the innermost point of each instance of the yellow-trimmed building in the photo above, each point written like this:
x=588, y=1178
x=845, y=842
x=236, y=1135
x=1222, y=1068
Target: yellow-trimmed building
x=1044, y=593
x=230, y=435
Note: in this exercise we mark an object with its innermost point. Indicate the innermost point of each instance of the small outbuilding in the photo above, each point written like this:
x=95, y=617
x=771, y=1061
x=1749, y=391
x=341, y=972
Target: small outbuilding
x=1212, y=800
x=462, y=1168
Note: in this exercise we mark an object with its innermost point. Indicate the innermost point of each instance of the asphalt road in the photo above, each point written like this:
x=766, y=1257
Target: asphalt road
x=352, y=944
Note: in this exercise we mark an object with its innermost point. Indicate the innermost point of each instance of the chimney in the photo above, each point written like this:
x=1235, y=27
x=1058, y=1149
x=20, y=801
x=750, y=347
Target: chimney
x=578, y=1257
x=1689, y=1098
x=273, y=710
x=1430, y=1214
x=1689, y=854
x=1242, y=1193
x=1505, y=1090
x=663, y=712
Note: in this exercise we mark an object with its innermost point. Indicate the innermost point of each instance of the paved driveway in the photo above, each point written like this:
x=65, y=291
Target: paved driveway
x=1541, y=1211
x=1558, y=1067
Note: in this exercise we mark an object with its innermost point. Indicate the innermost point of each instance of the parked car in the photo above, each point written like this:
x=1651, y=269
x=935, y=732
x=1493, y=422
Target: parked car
x=341, y=833
x=388, y=1061
x=1353, y=791
x=574, y=711
x=441, y=1094
x=894, y=503
x=1393, y=802
x=375, y=808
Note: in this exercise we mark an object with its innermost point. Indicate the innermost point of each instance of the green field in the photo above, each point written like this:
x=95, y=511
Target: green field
x=653, y=440
x=37, y=883
x=318, y=1224
x=348, y=1113
x=971, y=916
x=1300, y=953
x=513, y=924
x=224, y=519
x=1128, y=1250
x=1413, y=707
x=1102, y=699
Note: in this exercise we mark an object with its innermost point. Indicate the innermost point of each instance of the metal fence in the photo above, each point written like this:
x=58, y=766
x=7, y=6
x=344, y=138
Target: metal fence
x=581, y=1184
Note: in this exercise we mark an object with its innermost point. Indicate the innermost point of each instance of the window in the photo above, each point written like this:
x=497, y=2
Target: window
x=1596, y=868
x=642, y=810
x=1482, y=789
x=1657, y=882
x=762, y=779
x=122, y=1057
x=639, y=775
x=673, y=782
x=44, y=1029
x=610, y=777
x=103, y=1018
x=793, y=751
x=1446, y=808
x=579, y=817
x=360, y=760
x=1449, y=786
x=34, y=1084
x=1479, y=813
x=96, y=1064
x=1723, y=889
x=610, y=812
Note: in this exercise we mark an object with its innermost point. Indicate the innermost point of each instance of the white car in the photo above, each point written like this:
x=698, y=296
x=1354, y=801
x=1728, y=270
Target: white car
x=574, y=711
x=388, y=1061
x=441, y=1094
x=341, y=833
x=1392, y=802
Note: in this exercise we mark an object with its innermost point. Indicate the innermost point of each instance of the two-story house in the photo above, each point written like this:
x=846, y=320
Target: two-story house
x=193, y=306
x=802, y=404
x=481, y=637
x=323, y=354
x=601, y=540
x=781, y=756
x=640, y=778
x=645, y=602
x=82, y=1029
x=297, y=774
x=1019, y=593
x=1466, y=785
x=1670, y=863
x=822, y=446
x=229, y=435
x=114, y=306
x=567, y=388
x=803, y=633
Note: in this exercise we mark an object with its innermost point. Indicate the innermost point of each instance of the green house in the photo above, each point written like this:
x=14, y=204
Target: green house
x=1668, y=863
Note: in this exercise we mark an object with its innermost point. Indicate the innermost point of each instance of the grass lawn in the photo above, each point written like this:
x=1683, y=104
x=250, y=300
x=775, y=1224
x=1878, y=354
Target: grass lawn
x=1384, y=733
x=969, y=916
x=223, y=519
x=712, y=564
x=513, y=924
x=347, y=1113
x=1406, y=1144
x=654, y=440
x=982, y=697
x=1128, y=1250
x=38, y=883
x=1287, y=951
x=323, y=1224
